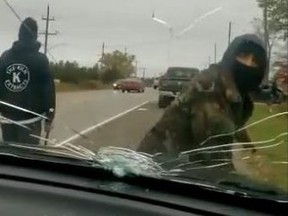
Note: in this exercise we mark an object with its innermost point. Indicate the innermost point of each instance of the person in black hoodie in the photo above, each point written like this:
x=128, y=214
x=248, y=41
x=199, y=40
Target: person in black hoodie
x=231, y=81
x=26, y=82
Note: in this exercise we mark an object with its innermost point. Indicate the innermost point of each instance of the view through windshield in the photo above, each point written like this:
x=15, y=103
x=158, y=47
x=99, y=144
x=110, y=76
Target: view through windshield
x=176, y=89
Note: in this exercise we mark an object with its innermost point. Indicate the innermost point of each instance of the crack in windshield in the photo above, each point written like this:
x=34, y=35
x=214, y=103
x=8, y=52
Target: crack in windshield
x=217, y=124
x=122, y=161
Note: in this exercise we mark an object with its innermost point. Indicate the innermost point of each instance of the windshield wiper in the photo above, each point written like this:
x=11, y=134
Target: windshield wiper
x=253, y=188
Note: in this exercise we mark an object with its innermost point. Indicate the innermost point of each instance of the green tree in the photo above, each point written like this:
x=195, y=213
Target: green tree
x=273, y=35
x=71, y=72
x=275, y=23
x=116, y=65
x=277, y=13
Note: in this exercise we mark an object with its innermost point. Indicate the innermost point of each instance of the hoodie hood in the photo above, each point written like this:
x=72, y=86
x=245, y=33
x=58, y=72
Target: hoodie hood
x=28, y=30
x=247, y=78
x=27, y=35
x=24, y=47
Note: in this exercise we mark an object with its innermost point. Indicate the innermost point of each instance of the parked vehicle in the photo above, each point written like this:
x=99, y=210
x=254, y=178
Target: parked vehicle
x=132, y=84
x=173, y=82
x=268, y=94
x=116, y=85
x=156, y=83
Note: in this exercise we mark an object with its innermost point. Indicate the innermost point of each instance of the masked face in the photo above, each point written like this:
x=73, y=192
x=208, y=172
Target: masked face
x=246, y=72
x=247, y=59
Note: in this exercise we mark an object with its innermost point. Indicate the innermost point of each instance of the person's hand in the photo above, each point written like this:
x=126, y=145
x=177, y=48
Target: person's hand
x=48, y=126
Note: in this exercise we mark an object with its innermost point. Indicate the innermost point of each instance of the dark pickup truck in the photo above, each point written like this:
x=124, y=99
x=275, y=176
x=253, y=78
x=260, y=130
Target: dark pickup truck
x=175, y=80
x=269, y=94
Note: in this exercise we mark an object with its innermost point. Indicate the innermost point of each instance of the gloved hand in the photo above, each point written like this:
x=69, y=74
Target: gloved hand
x=49, y=122
x=48, y=126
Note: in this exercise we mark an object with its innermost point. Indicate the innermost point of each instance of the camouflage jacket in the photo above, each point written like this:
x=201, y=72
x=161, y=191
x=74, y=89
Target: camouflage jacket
x=184, y=123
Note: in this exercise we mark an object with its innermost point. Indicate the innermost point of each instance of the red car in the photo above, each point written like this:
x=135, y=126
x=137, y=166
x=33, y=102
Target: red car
x=132, y=84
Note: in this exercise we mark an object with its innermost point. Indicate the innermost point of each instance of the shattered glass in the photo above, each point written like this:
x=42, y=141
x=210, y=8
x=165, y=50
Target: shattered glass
x=157, y=142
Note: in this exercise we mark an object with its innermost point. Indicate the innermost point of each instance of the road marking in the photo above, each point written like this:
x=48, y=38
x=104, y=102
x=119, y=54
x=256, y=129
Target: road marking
x=100, y=124
x=142, y=109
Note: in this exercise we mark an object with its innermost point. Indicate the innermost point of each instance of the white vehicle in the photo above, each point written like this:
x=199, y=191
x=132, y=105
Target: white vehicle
x=156, y=83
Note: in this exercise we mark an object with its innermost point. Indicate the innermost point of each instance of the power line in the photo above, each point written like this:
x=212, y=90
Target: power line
x=17, y=15
x=53, y=58
x=27, y=27
x=47, y=33
x=215, y=53
x=13, y=10
x=56, y=46
x=229, y=33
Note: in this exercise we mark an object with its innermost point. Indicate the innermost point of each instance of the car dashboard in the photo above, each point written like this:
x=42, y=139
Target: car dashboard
x=45, y=188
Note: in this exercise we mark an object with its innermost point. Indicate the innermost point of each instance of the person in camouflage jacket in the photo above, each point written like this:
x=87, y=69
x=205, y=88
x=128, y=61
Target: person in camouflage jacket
x=217, y=101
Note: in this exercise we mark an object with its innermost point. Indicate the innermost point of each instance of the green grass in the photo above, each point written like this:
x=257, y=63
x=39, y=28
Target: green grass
x=66, y=87
x=263, y=166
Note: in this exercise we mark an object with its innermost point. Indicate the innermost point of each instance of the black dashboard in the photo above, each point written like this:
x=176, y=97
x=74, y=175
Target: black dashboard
x=29, y=187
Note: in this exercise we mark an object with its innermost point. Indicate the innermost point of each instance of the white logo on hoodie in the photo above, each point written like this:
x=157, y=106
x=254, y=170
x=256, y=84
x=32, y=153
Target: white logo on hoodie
x=17, y=77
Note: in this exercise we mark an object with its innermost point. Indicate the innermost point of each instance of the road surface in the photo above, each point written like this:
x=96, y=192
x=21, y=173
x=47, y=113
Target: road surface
x=126, y=131
x=83, y=111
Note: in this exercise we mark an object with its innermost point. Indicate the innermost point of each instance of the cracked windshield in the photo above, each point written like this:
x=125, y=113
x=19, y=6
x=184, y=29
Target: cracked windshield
x=183, y=90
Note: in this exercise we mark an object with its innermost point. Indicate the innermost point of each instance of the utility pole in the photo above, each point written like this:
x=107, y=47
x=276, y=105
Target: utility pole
x=215, y=53
x=103, y=50
x=229, y=33
x=286, y=32
x=102, y=55
x=136, y=68
x=144, y=72
x=47, y=19
x=266, y=33
x=266, y=39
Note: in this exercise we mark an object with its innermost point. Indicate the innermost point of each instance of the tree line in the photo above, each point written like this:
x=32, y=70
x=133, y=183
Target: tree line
x=273, y=27
x=111, y=66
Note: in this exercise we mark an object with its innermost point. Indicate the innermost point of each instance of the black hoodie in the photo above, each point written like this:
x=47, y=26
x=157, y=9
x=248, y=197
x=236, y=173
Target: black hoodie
x=246, y=79
x=25, y=79
x=183, y=126
x=247, y=43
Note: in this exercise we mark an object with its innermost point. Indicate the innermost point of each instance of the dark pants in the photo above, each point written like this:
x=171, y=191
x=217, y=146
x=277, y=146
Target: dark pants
x=17, y=134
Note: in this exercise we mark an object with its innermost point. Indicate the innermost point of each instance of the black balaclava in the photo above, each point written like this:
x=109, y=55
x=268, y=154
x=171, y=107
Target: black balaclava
x=28, y=31
x=247, y=78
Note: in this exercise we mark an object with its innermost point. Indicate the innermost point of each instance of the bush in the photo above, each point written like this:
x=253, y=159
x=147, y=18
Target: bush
x=70, y=72
x=89, y=85
x=110, y=76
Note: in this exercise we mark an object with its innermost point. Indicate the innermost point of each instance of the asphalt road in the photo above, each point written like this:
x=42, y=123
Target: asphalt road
x=126, y=131
x=89, y=110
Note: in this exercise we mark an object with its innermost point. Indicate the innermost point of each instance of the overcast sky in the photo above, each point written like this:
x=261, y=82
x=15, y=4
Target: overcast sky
x=84, y=25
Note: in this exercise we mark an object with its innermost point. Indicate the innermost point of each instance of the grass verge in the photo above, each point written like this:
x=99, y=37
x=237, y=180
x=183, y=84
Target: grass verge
x=270, y=164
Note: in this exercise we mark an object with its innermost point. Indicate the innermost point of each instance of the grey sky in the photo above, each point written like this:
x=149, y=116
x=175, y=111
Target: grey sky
x=85, y=24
